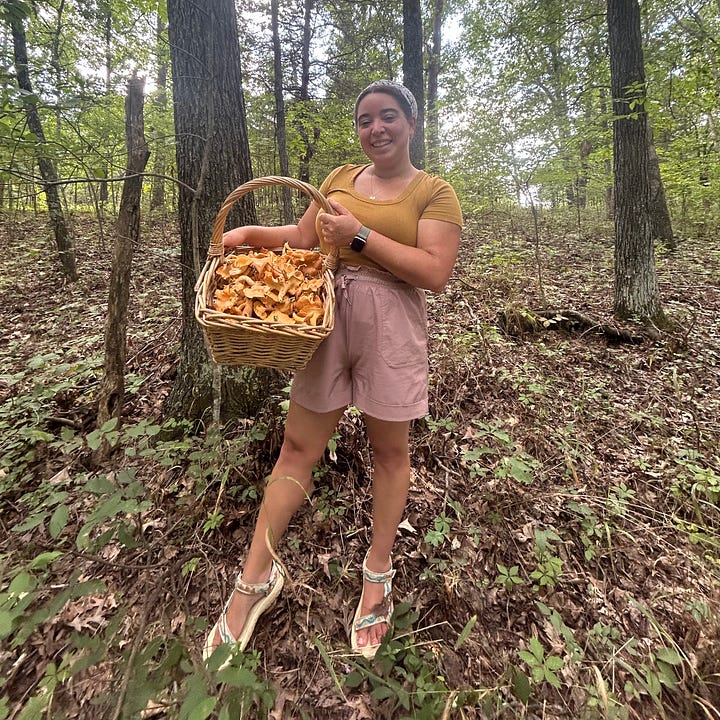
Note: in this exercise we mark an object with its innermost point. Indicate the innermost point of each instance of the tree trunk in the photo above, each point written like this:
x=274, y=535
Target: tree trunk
x=661, y=224
x=636, y=288
x=213, y=157
x=304, y=118
x=280, y=134
x=433, y=120
x=127, y=235
x=107, y=18
x=607, y=163
x=157, y=196
x=48, y=172
x=413, y=74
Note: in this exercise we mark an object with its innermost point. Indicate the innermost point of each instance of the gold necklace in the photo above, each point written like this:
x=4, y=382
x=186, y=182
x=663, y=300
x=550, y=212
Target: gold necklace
x=372, y=186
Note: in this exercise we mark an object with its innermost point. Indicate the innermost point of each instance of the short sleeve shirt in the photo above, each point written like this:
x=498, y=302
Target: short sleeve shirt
x=426, y=197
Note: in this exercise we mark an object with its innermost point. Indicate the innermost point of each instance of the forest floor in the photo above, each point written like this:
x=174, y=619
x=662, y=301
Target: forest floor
x=558, y=558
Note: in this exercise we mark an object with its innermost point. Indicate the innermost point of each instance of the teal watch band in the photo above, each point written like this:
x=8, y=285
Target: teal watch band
x=358, y=242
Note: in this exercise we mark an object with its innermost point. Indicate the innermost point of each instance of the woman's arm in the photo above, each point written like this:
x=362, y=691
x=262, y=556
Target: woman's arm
x=426, y=266
x=302, y=235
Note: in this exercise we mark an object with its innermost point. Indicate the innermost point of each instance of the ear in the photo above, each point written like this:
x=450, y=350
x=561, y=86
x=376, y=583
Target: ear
x=413, y=123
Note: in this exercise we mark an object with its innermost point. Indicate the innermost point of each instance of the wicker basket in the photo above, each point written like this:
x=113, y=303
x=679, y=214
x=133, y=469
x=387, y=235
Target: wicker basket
x=236, y=340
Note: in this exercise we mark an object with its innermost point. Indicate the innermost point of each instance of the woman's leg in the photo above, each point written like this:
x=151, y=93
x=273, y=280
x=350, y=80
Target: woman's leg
x=306, y=437
x=391, y=482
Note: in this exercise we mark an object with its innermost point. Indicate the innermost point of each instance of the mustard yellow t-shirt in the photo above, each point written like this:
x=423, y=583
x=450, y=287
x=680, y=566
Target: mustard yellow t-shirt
x=426, y=197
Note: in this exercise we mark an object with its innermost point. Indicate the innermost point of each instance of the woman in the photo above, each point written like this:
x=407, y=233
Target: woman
x=397, y=230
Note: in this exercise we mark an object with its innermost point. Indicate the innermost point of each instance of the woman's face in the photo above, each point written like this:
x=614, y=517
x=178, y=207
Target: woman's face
x=383, y=128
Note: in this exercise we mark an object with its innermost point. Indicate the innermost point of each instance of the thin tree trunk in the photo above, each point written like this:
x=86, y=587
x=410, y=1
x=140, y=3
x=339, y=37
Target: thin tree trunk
x=157, y=196
x=280, y=135
x=48, y=172
x=127, y=235
x=434, y=61
x=108, y=72
x=661, y=224
x=304, y=118
x=413, y=74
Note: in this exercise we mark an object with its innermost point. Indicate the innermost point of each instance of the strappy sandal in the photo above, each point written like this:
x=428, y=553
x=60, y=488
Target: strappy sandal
x=381, y=613
x=270, y=589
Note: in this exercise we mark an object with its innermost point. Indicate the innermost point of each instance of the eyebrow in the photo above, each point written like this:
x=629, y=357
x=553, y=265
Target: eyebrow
x=382, y=111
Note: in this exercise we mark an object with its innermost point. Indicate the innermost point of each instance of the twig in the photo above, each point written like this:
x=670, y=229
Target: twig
x=139, y=637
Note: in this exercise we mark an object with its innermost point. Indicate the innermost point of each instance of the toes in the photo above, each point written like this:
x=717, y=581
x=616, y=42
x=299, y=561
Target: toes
x=379, y=633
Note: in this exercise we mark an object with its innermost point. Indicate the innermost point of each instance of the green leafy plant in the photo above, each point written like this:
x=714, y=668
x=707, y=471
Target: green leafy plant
x=493, y=445
x=403, y=679
x=440, y=531
x=509, y=578
x=543, y=668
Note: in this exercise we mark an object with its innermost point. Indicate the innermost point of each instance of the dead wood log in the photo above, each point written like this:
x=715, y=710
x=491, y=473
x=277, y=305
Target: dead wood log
x=519, y=321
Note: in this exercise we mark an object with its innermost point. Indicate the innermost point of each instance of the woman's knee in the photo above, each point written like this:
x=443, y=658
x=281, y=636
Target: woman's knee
x=300, y=451
x=391, y=455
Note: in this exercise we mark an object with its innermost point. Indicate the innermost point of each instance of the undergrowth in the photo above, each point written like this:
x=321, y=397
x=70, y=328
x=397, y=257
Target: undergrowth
x=558, y=558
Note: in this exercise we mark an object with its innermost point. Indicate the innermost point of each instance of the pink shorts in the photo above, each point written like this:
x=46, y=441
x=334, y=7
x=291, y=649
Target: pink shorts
x=376, y=356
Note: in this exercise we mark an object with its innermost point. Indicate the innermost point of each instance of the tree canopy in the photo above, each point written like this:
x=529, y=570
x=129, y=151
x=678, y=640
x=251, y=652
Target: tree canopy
x=523, y=94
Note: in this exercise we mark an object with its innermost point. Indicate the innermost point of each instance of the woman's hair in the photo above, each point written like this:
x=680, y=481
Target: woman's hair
x=405, y=98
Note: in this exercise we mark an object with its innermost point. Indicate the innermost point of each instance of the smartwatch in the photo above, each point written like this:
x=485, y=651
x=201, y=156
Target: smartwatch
x=358, y=242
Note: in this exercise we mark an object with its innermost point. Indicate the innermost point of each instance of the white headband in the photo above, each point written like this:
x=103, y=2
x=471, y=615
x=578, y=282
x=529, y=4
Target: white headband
x=394, y=88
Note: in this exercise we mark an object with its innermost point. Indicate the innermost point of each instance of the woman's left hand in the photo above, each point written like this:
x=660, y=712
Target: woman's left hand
x=339, y=230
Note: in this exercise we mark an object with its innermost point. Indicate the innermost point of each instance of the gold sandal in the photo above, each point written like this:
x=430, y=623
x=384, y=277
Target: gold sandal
x=380, y=613
x=270, y=589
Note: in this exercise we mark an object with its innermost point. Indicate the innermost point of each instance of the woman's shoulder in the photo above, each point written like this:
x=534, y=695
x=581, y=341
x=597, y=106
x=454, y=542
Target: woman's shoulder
x=343, y=174
x=435, y=182
x=435, y=187
x=441, y=200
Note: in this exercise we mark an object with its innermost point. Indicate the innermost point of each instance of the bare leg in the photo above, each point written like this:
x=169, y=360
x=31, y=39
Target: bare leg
x=306, y=437
x=391, y=482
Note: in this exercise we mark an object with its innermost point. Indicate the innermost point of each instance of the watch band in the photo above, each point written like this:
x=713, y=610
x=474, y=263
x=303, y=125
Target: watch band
x=358, y=242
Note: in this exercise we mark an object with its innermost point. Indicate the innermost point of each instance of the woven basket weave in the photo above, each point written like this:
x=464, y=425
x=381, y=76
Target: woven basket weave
x=236, y=340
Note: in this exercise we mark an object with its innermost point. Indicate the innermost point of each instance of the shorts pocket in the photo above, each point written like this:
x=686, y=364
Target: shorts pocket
x=403, y=327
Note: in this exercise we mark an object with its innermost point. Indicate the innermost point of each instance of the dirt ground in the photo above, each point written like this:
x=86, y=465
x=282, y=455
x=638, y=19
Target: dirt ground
x=564, y=498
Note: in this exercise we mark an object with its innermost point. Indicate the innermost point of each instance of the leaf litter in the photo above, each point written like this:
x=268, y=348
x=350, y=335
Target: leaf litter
x=540, y=448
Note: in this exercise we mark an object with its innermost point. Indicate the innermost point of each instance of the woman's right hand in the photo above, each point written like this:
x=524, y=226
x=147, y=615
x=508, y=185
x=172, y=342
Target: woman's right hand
x=235, y=237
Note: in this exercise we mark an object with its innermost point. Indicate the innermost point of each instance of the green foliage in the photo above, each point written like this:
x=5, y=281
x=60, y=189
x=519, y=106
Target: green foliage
x=403, y=679
x=508, y=578
x=493, y=446
x=543, y=668
x=90, y=513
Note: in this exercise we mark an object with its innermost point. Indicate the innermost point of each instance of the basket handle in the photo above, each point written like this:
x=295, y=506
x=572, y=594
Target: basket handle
x=216, y=241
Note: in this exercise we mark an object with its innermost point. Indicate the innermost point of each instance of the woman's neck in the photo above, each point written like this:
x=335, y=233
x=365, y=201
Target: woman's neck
x=393, y=172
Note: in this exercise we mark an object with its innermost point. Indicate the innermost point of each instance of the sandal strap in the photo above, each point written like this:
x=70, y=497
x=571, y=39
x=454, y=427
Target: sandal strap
x=257, y=588
x=377, y=577
x=225, y=635
x=382, y=615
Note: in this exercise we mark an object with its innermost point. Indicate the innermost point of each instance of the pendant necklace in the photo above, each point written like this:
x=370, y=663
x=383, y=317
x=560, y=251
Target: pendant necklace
x=372, y=186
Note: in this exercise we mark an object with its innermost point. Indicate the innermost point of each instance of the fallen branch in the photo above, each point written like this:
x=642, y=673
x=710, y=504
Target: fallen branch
x=518, y=321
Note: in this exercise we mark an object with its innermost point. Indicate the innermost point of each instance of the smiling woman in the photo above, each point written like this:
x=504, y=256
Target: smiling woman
x=396, y=230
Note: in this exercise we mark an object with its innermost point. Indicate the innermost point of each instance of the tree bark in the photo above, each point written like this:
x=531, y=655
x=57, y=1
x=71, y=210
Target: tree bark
x=63, y=234
x=413, y=74
x=304, y=118
x=127, y=235
x=213, y=157
x=636, y=288
x=157, y=195
x=280, y=134
x=661, y=224
x=434, y=62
